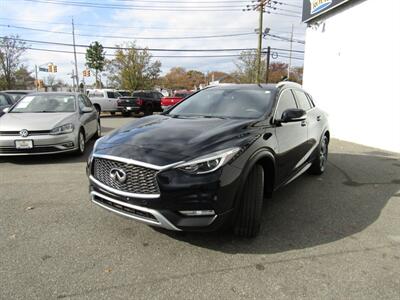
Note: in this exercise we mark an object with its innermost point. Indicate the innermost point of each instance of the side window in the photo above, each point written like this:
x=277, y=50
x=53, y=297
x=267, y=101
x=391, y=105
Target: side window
x=155, y=95
x=87, y=101
x=3, y=100
x=302, y=100
x=110, y=95
x=81, y=102
x=311, y=100
x=99, y=95
x=286, y=101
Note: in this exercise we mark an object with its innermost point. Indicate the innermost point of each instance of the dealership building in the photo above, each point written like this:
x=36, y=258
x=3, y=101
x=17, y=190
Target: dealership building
x=352, y=68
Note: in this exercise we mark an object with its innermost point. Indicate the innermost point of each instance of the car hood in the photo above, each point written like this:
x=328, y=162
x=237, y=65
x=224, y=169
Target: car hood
x=164, y=140
x=33, y=121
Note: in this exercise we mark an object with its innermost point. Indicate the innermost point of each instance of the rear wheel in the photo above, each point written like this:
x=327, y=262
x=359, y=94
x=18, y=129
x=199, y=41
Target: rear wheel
x=148, y=110
x=248, y=220
x=112, y=113
x=127, y=114
x=319, y=164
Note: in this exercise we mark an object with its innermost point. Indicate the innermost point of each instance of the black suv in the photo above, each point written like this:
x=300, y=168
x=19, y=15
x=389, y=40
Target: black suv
x=210, y=160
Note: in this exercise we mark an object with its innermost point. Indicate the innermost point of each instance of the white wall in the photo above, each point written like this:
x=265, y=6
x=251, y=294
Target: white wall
x=352, y=69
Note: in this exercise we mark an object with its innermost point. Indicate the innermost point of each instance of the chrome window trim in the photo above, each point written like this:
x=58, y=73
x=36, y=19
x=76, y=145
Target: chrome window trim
x=121, y=193
x=161, y=220
x=136, y=162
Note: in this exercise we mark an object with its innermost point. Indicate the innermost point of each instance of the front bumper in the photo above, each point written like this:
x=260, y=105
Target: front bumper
x=178, y=192
x=42, y=144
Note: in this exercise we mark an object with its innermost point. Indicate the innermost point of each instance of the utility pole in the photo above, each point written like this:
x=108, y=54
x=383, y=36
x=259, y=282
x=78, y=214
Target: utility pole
x=290, y=54
x=268, y=61
x=76, y=64
x=36, y=77
x=260, y=35
x=73, y=79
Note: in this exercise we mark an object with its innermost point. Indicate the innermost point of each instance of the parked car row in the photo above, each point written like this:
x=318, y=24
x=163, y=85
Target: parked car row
x=109, y=100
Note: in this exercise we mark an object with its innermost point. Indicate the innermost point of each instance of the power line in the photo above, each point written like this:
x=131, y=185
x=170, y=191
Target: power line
x=138, y=48
x=119, y=27
x=133, y=38
x=155, y=56
x=132, y=7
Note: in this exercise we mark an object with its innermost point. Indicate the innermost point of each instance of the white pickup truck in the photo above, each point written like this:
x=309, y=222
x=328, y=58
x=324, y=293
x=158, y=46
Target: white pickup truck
x=104, y=100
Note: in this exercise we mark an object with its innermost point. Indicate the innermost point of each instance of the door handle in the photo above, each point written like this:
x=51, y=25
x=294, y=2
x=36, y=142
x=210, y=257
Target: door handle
x=303, y=123
x=319, y=118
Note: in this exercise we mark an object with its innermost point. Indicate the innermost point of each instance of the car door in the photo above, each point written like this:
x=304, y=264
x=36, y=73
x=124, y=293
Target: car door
x=88, y=120
x=291, y=138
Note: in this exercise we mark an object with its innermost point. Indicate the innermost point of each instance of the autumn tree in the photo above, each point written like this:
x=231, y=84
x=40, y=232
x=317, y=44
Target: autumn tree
x=133, y=69
x=11, y=50
x=96, y=59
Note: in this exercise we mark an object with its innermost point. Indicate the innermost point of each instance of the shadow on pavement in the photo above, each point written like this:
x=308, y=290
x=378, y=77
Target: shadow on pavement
x=315, y=210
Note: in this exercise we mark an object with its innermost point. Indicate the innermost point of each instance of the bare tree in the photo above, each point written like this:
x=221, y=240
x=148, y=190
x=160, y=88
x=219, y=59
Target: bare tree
x=11, y=50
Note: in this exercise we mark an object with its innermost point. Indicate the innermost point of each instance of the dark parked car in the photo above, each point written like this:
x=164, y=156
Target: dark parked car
x=141, y=101
x=210, y=160
x=18, y=94
x=5, y=102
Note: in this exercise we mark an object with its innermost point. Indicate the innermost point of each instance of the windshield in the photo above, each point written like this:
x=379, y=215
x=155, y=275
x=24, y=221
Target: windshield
x=229, y=103
x=49, y=103
x=16, y=96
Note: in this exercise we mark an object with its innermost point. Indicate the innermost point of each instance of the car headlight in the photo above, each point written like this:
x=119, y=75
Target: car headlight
x=208, y=163
x=67, y=128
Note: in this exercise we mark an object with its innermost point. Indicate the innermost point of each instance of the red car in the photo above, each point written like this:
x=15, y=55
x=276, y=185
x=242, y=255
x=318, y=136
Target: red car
x=167, y=102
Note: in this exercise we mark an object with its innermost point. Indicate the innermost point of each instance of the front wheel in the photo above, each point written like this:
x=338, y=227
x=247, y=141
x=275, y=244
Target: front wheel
x=248, y=220
x=98, y=131
x=81, y=143
x=319, y=164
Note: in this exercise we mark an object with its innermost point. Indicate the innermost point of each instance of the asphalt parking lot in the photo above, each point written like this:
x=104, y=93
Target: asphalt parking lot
x=334, y=236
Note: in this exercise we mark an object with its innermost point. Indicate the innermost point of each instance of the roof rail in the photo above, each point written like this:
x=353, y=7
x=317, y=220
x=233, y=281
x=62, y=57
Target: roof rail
x=289, y=83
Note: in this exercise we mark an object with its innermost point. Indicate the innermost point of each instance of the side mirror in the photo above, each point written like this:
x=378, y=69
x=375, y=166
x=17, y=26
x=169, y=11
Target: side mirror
x=86, y=110
x=293, y=115
x=6, y=110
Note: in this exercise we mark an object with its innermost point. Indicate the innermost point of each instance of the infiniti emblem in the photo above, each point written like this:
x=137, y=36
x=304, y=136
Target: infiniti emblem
x=24, y=133
x=118, y=175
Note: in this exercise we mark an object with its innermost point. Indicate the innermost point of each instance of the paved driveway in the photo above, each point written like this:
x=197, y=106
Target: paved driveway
x=335, y=236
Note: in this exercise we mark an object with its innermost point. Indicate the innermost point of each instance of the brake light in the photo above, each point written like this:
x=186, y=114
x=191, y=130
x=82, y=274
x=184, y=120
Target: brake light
x=139, y=101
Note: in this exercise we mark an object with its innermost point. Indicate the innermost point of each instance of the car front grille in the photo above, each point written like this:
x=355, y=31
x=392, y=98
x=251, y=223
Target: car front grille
x=139, y=180
x=31, y=133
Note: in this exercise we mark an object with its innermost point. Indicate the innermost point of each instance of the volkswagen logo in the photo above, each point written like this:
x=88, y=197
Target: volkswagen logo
x=24, y=133
x=118, y=175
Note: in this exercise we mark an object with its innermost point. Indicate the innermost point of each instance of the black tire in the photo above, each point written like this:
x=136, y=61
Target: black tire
x=112, y=113
x=248, y=219
x=81, y=143
x=148, y=110
x=319, y=164
x=97, y=107
x=98, y=132
x=126, y=114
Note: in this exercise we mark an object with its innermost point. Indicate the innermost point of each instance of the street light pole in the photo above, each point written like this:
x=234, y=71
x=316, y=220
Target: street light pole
x=36, y=77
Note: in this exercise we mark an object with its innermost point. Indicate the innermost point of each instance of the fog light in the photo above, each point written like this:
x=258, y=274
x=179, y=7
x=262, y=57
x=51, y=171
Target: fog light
x=69, y=145
x=192, y=213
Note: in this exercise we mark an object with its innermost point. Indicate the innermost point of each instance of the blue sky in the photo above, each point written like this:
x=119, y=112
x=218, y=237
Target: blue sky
x=148, y=23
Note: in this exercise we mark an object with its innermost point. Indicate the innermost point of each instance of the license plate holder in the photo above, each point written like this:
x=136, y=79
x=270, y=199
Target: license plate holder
x=24, y=144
